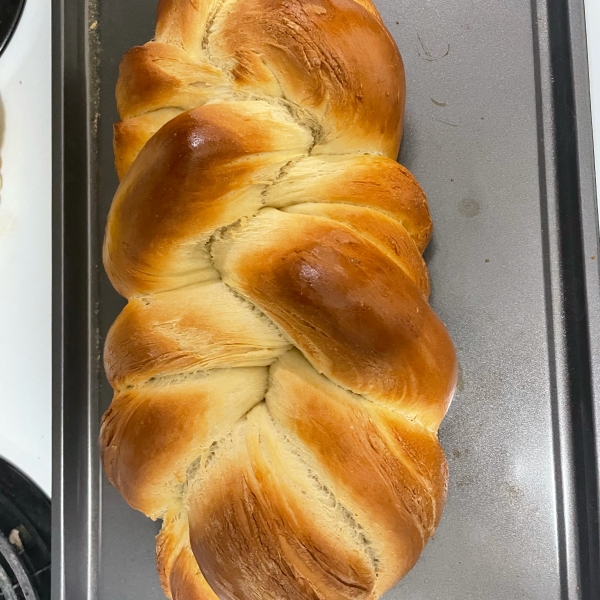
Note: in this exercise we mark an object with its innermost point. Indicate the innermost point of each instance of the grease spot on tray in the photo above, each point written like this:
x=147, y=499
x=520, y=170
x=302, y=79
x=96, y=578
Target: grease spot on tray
x=430, y=56
x=464, y=482
x=513, y=491
x=447, y=122
x=468, y=207
x=461, y=453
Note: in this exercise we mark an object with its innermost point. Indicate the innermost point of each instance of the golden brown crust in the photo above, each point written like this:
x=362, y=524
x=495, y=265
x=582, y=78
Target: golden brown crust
x=151, y=434
x=330, y=290
x=357, y=179
x=279, y=375
x=313, y=55
x=388, y=235
x=191, y=329
x=253, y=529
x=180, y=576
x=307, y=54
x=182, y=23
x=130, y=136
x=388, y=478
x=204, y=169
x=157, y=76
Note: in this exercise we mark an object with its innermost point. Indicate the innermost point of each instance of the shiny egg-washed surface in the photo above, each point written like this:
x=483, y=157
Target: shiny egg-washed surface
x=279, y=375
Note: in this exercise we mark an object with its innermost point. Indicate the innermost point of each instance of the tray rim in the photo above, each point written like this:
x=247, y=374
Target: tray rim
x=577, y=71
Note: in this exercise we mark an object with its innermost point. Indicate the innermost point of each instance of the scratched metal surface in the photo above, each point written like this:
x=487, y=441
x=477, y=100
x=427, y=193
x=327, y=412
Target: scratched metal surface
x=480, y=134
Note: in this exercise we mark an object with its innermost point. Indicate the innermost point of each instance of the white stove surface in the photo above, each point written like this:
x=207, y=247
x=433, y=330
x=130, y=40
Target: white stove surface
x=25, y=235
x=25, y=246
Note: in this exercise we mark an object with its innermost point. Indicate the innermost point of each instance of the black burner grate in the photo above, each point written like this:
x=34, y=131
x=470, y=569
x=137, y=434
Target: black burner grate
x=14, y=580
x=24, y=537
x=10, y=13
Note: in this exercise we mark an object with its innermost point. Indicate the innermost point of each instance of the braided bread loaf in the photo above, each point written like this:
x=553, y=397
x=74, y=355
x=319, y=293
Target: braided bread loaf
x=279, y=376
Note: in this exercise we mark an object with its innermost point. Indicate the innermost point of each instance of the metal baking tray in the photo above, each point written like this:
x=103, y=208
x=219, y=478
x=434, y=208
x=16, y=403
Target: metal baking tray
x=498, y=132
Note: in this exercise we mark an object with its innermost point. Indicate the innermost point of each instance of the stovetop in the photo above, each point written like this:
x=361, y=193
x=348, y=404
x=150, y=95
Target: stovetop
x=10, y=13
x=25, y=244
x=24, y=537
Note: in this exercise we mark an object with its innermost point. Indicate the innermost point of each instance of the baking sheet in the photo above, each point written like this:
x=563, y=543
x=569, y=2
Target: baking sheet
x=498, y=132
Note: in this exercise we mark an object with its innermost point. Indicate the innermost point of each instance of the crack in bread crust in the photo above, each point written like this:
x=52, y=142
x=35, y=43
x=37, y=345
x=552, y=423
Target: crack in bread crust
x=279, y=375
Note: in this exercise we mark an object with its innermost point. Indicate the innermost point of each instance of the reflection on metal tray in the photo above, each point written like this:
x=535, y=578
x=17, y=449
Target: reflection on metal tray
x=498, y=133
